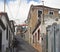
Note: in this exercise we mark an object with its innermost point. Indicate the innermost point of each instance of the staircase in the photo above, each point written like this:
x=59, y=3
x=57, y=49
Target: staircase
x=38, y=47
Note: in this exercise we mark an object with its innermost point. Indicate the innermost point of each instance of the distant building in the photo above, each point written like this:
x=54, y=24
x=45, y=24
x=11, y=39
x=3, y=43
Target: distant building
x=20, y=30
x=39, y=18
x=6, y=33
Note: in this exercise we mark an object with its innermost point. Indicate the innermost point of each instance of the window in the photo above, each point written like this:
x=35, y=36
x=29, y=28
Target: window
x=30, y=30
x=51, y=13
x=42, y=38
x=0, y=39
x=7, y=33
x=39, y=13
x=39, y=34
x=33, y=39
x=9, y=38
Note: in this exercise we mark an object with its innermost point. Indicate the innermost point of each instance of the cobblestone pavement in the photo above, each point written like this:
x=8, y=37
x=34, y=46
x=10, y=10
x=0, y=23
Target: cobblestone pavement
x=23, y=46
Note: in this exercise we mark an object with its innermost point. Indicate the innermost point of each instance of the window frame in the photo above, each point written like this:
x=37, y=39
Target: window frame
x=51, y=11
x=38, y=13
x=7, y=32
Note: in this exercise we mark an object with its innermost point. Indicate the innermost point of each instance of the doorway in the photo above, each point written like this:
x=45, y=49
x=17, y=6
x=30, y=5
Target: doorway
x=0, y=40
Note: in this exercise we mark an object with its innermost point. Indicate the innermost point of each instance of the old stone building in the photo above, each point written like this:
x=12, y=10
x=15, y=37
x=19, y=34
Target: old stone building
x=39, y=18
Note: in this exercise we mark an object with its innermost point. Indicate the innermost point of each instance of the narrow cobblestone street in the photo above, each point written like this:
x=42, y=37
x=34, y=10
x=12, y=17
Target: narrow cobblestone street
x=23, y=46
x=29, y=25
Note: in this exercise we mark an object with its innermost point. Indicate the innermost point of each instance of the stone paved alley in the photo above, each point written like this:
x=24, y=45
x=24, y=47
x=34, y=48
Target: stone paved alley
x=23, y=46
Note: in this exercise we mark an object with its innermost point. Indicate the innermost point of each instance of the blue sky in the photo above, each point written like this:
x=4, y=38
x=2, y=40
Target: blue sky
x=32, y=0
x=7, y=1
x=15, y=0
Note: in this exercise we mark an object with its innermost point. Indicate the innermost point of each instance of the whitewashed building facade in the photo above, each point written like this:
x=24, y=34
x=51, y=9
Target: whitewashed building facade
x=5, y=32
x=53, y=32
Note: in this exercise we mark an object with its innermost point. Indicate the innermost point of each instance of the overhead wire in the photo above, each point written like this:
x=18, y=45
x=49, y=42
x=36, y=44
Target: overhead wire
x=11, y=12
x=18, y=9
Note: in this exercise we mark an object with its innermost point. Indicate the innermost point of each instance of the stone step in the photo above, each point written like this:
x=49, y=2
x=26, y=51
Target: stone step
x=37, y=46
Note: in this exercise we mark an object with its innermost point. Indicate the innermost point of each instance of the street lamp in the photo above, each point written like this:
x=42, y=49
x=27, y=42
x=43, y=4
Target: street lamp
x=43, y=11
x=4, y=5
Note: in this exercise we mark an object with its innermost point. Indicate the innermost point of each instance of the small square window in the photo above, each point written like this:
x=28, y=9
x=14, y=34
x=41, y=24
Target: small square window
x=51, y=12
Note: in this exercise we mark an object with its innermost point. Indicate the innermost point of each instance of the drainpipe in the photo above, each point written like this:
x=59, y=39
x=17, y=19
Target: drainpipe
x=54, y=41
x=43, y=11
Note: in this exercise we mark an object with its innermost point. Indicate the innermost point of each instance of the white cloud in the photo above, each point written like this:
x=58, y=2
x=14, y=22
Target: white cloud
x=52, y=3
x=1, y=7
x=20, y=15
x=18, y=10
